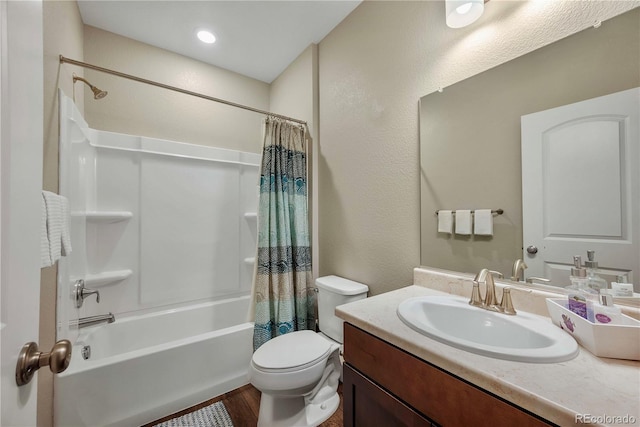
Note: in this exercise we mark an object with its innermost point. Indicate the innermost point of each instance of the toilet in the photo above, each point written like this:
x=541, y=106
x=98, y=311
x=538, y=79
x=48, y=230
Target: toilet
x=298, y=373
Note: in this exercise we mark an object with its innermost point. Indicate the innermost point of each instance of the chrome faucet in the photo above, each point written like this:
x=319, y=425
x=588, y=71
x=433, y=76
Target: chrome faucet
x=518, y=269
x=531, y=279
x=80, y=293
x=490, y=302
x=84, y=322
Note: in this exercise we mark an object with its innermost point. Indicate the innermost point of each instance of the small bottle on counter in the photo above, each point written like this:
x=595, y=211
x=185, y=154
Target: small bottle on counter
x=621, y=287
x=606, y=312
x=578, y=275
x=581, y=297
x=594, y=281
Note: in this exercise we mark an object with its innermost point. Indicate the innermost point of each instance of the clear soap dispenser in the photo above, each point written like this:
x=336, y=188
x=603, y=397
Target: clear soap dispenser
x=581, y=297
x=578, y=275
x=594, y=281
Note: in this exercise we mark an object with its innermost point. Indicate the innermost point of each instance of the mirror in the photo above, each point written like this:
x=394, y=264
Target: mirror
x=470, y=152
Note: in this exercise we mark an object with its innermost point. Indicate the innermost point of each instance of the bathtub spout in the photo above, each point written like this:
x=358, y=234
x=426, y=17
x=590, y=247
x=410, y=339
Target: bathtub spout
x=83, y=322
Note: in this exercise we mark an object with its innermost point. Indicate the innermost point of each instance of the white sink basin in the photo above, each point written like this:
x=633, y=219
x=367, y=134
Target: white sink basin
x=524, y=337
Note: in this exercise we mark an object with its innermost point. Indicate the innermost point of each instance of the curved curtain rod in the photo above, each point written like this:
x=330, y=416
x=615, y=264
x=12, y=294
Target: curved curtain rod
x=175, y=89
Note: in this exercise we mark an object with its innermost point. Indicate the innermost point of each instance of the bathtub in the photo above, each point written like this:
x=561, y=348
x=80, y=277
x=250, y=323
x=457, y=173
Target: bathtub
x=145, y=367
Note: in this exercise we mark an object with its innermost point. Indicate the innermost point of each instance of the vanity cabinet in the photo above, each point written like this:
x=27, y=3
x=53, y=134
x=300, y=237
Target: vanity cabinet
x=384, y=385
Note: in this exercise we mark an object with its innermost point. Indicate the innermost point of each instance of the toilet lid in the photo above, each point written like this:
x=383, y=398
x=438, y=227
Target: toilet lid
x=291, y=350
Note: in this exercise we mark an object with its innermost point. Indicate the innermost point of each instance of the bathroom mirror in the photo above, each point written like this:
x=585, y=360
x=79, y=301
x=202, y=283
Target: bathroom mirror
x=470, y=143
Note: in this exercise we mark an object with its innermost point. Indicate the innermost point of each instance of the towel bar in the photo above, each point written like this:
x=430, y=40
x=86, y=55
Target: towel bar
x=495, y=211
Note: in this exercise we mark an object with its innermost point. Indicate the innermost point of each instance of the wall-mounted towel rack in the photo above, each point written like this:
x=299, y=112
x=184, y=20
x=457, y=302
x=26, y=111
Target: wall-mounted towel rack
x=494, y=211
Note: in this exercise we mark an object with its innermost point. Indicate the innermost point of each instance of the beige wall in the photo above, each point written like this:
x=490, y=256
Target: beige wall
x=374, y=67
x=294, y=93
x=474, y=125
x=140, y=109
x=62, y=27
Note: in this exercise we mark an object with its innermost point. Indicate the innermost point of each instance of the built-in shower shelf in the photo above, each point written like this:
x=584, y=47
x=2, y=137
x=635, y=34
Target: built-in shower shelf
x=105, y=278
x=251, y=215
x=105, y=216
x=249, y=260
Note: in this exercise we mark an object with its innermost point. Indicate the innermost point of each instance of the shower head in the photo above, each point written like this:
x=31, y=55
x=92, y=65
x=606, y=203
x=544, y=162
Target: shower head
x=97, y=93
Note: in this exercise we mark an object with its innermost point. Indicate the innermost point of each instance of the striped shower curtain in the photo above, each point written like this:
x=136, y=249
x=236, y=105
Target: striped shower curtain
x=284, y=301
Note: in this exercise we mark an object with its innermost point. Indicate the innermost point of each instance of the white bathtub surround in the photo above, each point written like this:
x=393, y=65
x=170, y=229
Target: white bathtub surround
x=144, y=368
x=172, y=214
x=160, y=228
x=557, y=392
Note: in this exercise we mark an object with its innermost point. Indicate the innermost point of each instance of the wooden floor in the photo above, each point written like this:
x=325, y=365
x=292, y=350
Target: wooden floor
x=243, y=405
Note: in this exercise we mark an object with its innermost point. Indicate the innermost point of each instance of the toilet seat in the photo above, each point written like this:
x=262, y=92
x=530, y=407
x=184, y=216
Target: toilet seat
x=294, y=351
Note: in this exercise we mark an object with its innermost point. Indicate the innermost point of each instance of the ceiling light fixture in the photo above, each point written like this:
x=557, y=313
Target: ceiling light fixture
x=206, y=36
x=461, y=13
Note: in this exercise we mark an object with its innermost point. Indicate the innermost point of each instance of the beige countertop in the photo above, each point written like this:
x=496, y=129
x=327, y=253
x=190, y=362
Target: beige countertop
x=586, y=386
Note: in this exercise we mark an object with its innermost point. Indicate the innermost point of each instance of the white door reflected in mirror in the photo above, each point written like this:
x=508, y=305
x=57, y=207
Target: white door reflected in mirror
x=581, y=186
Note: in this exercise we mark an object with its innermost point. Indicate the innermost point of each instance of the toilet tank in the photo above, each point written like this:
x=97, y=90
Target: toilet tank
x=332, y=292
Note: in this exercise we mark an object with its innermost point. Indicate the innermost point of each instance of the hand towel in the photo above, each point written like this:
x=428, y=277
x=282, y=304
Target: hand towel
x=45, y=255
x=483, y=222
x=66, y=218
x=463, y=222
x=57, y=225
x=445, y=222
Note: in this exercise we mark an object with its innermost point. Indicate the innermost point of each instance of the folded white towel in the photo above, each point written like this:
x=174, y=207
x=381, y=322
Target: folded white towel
x=463, y=222
x=45, y=255
x=483, y=222
x=66, y=218
x=57, y=225
x=445, y=222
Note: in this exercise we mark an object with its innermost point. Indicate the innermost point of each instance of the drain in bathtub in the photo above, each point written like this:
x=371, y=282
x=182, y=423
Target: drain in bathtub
x=86, y=352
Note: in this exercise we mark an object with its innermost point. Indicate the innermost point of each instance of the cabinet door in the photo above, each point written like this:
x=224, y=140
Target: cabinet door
x=433, y=392
x=366, y=404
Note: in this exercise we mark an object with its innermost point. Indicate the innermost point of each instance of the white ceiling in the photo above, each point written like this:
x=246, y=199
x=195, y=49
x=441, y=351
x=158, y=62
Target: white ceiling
x=258, y=39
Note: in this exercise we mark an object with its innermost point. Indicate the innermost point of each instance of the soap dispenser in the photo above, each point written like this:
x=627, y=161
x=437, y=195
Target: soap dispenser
x=578, y=275
x=594, y=281
x=581, y=297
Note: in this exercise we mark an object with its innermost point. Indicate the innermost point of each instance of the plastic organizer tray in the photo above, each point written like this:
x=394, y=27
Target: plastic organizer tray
x=620, y=341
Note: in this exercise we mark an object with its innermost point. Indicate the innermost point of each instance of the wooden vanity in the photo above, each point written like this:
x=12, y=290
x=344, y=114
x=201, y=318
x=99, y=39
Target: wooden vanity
x=384, y=385
x=395, y=376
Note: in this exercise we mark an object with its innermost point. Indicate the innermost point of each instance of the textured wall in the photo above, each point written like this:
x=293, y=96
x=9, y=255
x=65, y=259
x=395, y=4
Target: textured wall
x=374, y=67
x=62, y=27
x=139, y=109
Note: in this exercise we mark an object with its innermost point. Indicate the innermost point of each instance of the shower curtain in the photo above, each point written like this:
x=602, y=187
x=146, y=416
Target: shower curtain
x=284, y=301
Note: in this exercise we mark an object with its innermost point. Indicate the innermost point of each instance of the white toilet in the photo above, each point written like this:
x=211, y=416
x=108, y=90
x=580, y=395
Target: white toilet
x=298, y=372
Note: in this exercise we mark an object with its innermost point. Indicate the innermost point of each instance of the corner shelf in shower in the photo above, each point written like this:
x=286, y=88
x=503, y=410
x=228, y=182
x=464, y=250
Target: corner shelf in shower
x=251, y=215
x=105, y=216
x=105, y=278
x=249, y=260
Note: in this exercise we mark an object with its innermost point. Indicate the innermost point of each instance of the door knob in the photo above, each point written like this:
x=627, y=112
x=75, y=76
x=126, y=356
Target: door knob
x=532, y=250
x=30, y=360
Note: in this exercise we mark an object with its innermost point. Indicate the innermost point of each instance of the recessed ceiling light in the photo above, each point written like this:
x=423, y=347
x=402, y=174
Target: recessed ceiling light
x=206, y=36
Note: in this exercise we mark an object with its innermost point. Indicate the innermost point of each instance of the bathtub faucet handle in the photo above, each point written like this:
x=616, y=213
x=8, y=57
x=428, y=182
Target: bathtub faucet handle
x=80, y=293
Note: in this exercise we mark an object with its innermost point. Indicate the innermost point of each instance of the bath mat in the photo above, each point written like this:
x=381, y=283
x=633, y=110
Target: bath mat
x=214, y=415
